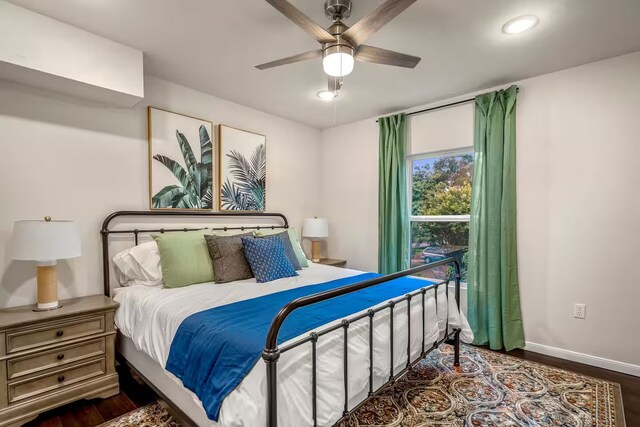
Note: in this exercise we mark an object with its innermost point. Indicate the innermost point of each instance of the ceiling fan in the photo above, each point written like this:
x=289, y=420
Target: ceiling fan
x=342, y=45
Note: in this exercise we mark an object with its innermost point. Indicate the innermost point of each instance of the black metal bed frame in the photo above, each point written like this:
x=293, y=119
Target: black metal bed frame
x=271, y=353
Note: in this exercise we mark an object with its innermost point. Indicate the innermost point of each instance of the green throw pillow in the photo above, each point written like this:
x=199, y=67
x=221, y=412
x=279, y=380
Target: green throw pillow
x=184, y=258
x=293, y=236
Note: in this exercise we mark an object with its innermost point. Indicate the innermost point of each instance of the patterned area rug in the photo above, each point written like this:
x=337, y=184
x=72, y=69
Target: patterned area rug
x=493, y=390
x=152, y=415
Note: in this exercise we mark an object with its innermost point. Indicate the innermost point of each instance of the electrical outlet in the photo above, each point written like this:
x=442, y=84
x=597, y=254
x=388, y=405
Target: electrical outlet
x=579, y=311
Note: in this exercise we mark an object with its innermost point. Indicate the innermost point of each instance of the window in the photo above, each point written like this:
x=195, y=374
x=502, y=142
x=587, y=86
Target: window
x=440, y=197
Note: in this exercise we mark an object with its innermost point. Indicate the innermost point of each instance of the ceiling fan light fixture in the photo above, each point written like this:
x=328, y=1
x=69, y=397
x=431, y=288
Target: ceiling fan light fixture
x=338, y=61
x=339, y=42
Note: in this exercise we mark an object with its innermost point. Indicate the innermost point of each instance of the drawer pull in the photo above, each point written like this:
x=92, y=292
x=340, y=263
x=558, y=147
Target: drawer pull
x=61, y=378
x=59, y=333
x=60, y=356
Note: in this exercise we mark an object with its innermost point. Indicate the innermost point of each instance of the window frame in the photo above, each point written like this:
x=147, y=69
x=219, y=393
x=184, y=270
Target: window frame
x=431, y=218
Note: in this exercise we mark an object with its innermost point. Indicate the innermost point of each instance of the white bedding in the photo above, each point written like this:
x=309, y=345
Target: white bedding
x=151, y=316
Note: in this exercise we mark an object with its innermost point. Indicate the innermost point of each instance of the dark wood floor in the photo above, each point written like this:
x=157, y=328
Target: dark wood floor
x=90, y=413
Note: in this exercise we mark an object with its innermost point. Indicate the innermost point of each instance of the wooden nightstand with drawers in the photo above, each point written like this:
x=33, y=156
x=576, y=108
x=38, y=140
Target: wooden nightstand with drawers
x=333, y=262
x=51, y=358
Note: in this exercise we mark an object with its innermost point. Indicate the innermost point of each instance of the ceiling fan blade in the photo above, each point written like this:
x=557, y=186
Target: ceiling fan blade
x=383, y=56
x=302, y=20
x=291, y=59
x=365, y=27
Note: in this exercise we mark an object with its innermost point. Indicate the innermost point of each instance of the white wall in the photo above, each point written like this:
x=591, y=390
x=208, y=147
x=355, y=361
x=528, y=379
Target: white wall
x=41, y=51
x=349, y=171
x=578, y=141
x=75, y=160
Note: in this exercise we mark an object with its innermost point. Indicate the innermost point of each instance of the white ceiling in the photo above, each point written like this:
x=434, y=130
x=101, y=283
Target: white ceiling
x=212, y=46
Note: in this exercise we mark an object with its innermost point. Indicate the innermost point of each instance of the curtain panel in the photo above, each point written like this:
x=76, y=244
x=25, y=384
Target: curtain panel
x=393, y=222
x=493, y=290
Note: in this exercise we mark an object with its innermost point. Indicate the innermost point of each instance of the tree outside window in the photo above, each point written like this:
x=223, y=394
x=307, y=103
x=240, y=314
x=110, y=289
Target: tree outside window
x=440, y=186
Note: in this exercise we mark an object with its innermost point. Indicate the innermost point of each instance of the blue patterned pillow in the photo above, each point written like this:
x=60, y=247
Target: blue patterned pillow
x=267, y=259
x=288, y=247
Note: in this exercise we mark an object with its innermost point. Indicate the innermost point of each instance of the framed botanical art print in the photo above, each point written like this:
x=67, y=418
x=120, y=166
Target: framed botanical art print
x=180, y=161
x=242, y=169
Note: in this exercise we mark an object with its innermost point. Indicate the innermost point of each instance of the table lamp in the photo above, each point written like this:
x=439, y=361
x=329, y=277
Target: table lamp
x=315, y=228
x=46, y=242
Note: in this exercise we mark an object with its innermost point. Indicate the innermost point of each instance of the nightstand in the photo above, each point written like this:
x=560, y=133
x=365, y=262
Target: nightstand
x=51, y=358
x=333, y=262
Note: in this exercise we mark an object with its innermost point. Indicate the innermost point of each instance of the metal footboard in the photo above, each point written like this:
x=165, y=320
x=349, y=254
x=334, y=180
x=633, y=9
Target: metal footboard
x=271, y=353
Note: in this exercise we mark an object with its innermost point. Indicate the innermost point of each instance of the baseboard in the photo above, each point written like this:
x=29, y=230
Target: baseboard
x=574, y=356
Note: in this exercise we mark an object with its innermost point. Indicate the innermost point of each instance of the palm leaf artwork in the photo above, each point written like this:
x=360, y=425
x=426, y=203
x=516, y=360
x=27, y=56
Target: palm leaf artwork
x=194, y=188
x=247, y=190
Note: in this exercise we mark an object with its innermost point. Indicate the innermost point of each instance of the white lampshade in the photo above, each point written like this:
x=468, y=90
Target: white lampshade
x=45, y=240
x=315, y=227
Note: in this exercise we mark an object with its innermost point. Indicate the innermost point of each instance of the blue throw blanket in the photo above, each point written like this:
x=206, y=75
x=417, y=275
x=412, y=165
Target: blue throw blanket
x=214, y=350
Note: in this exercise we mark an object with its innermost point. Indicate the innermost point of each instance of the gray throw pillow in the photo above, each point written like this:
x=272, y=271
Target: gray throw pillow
x=229, y=261
x=288, y=247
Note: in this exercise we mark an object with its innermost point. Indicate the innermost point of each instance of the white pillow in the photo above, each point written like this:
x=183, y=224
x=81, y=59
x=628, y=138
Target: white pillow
x=139, y=265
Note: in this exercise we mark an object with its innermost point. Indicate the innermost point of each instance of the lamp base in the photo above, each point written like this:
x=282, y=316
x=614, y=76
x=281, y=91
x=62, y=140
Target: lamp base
x=47, y=286
x=315, y=250
x=38, y=308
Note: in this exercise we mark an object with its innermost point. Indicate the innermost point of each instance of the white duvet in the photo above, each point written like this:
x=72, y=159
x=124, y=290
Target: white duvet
x=151, y=316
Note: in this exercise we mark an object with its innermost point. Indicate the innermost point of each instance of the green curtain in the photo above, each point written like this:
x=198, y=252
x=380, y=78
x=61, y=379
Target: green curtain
x=393, y=254
x=493, y=291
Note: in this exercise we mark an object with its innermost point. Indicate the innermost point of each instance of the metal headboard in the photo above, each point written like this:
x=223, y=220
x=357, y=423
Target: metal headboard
x=106, y=232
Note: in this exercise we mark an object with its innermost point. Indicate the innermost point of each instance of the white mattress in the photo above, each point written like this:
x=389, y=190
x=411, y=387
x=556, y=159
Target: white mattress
x=150, y=317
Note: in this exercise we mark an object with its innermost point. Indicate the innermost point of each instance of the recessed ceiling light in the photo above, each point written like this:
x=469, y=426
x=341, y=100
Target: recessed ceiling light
x=327, y=95
x=520, y=24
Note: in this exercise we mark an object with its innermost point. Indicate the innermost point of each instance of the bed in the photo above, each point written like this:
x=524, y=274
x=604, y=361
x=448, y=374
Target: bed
x=313, y=379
